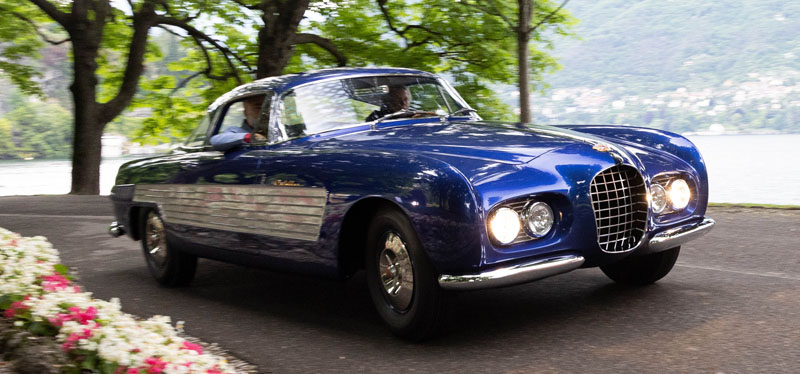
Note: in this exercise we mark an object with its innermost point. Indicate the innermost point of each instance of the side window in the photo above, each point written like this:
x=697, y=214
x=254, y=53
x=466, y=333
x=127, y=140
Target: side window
x=234, y=117
x=198, y=136
x=250, y=113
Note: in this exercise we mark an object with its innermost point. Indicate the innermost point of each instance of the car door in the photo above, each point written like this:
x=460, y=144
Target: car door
x=208, y=203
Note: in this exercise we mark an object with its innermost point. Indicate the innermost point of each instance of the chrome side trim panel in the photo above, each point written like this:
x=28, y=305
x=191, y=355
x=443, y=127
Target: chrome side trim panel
x=679, y=235
x=286, y=212
x=512, y=275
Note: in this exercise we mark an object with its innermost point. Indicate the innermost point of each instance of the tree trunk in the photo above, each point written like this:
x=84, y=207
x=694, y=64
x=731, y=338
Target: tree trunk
x=275, y=39
x=523, y=58
x=86, y=143
x=274, y=51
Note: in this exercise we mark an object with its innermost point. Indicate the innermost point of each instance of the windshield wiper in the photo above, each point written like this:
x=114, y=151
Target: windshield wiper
x=465, y=109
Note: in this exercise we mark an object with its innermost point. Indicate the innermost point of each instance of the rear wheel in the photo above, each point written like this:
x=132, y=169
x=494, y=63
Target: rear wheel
x=642, y=270
x=402, y=282
x=169, y=266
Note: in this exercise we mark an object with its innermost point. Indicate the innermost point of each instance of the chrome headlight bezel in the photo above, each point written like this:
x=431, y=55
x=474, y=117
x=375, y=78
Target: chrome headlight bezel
x=532, y=211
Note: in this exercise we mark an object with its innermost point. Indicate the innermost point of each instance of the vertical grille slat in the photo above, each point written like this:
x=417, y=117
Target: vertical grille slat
x=619, y=201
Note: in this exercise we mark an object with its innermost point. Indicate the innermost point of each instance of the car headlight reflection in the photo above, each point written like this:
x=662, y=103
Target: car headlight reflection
x=538, y=219
x=658, y=198
x=679, y=194
x=504, y=225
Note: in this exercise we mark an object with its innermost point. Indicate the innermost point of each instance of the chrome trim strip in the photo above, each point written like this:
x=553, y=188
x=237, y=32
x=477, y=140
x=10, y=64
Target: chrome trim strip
x=286, y=212
x=674, y=237
x=512, y=275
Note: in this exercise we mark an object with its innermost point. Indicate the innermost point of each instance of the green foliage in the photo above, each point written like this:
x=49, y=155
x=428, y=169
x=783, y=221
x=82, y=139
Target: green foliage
x=36, y=128
x=21, y=47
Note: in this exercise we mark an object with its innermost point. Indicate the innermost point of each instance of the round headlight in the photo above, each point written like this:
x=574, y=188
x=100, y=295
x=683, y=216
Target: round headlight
x=679, y=194
x=658, y=198
x=504, y=225
x=538, y=218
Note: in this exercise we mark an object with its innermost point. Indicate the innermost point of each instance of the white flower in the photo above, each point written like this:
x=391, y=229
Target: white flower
x=116, y=336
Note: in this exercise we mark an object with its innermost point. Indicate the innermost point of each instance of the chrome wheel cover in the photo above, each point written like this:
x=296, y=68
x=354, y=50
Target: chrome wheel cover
x=396, y=272
x=155, y=237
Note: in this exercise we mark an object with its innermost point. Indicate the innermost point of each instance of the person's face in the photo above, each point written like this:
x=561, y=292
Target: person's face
x=399, y=99
x=251, y=109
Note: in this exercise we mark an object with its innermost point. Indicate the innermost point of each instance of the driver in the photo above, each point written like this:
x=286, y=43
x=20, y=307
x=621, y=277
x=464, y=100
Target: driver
x=399, y=98
x=234, y=136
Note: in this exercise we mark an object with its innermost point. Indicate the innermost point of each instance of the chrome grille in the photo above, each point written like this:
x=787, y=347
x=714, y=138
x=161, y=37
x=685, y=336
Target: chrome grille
x=619, y=200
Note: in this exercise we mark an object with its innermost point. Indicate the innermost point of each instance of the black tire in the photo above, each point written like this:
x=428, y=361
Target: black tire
x=642, y=270
x=168, y=265
x=414, y=314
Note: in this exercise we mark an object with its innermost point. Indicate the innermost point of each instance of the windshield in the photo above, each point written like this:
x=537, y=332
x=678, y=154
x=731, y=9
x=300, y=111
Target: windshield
x=335, y=104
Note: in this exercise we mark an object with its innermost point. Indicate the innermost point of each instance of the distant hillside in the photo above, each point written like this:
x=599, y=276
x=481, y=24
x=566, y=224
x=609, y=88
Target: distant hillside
x=680, y=55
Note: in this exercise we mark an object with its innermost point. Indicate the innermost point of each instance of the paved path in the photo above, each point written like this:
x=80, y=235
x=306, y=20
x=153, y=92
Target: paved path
x=731, y=305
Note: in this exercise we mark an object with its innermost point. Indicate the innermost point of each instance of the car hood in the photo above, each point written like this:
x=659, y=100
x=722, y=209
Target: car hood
x=509, y=143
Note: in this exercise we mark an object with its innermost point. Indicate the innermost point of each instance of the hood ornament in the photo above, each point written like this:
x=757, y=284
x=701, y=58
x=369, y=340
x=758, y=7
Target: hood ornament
x=601, y=148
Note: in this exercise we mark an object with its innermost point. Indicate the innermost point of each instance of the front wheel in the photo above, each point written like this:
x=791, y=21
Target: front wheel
x=642, y=270
x=169, y=266
x=402, y=282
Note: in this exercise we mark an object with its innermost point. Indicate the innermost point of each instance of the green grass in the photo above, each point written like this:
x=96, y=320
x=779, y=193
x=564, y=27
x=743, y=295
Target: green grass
x=747, y=205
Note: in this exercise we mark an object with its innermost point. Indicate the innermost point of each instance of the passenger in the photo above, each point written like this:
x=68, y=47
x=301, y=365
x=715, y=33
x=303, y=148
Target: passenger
x=235, y=136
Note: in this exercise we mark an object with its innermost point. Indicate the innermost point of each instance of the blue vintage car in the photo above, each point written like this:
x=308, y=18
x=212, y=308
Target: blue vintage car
x=390, y=171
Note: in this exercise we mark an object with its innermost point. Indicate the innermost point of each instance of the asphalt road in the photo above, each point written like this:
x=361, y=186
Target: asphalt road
x=731, y=305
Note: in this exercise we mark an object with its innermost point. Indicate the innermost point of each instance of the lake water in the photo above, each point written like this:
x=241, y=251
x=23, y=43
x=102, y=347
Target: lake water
x=761, y=169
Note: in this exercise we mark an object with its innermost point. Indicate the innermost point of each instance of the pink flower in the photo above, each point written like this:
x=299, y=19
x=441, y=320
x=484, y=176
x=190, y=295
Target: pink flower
x=75, y=337
x=13, y=242
x=15, y=308
x=133, y=371
x=156, y=366
x=55, y=282
x=82, y=317
x=214, y=370
x=192, y=347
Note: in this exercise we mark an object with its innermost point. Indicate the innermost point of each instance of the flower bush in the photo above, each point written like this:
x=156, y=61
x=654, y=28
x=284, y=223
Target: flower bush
x=37, y=292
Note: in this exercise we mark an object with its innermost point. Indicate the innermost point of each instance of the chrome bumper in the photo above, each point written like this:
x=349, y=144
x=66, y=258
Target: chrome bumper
x=512, y=275
x=115, y=229
x=679, y=235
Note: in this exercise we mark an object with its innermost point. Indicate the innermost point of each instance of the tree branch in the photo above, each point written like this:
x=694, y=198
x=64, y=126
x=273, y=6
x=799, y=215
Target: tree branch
x=547, y=18
x=402, y=32
x=245, y=5
x=34, y=25
x=326, y=44
x=52, y=12
x=199, y=35
x=185, y=81
x=492, y=12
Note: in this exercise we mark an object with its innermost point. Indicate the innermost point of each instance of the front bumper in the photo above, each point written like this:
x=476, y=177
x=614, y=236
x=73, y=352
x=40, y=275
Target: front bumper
x=679, y=235
x=531, y=271
x=512, y=275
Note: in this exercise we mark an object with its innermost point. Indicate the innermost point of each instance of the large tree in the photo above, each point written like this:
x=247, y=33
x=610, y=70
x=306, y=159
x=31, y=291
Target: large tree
x=94, y=28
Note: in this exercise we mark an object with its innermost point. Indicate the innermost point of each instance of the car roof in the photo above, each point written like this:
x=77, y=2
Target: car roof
x=279, y=84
